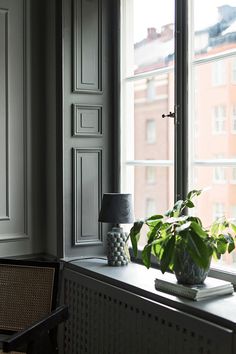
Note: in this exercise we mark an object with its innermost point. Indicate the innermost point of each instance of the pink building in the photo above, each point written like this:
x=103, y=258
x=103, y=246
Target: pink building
x=213, y=119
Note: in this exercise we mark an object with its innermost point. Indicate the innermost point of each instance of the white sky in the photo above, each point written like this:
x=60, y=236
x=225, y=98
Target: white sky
x=155, y=13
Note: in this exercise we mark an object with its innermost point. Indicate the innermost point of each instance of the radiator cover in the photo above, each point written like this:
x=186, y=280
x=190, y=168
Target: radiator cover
x=105, y=319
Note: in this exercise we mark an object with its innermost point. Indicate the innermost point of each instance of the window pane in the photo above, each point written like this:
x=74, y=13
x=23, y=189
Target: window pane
x=212, y=124
x=151, y=198
x=214, y=120
x=147, y=94
x=153, y=135
x=214, y=31
x=220, y=199
x=149, y=28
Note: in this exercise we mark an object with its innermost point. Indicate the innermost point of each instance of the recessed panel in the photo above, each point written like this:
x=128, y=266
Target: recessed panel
x=87, y=120
x=4, y=185
x=87, y=196
x=13, y=121
x=87, y=45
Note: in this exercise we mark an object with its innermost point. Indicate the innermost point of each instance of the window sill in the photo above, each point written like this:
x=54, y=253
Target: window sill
x=215, y=272
x=136, y=279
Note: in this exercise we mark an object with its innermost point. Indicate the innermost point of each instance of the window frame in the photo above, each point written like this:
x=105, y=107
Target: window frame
x=182, y=110
x=233, y=117
x=219, y=119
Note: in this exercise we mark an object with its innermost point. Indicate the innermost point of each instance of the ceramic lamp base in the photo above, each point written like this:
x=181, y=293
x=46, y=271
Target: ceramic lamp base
x=117, y=248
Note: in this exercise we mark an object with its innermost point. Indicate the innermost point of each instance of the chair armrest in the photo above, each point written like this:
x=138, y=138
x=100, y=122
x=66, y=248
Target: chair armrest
x=29, y=334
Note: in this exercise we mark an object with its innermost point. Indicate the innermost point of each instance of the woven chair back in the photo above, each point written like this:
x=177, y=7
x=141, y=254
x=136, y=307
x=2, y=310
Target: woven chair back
x=26, y=294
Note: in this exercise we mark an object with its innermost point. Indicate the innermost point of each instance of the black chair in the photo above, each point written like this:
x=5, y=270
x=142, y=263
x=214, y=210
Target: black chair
x=29, y=315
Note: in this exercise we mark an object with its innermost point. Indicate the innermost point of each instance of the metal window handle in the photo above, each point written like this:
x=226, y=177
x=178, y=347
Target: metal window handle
x=171, y=115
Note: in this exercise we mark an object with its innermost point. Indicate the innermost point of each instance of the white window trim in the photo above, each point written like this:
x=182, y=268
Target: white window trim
x=226, y=274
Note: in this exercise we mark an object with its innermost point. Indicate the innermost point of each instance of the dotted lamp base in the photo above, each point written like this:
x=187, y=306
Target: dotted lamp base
x=117, y=248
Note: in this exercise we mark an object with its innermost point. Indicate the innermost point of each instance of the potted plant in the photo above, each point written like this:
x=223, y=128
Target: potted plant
x=181, y=243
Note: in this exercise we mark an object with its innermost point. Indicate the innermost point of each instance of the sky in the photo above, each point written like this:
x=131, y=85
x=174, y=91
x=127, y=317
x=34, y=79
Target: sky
x=156, y=13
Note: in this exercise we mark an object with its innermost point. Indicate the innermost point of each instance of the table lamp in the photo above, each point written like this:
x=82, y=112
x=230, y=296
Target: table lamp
x=117, y=208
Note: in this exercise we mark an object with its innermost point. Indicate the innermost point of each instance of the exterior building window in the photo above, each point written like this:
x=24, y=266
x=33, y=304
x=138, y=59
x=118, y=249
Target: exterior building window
x=233, y=180
x=234, y=71
x=233, y=212
x=150, y=175
x=219, y=172
x=218, y=210
x=156, y=81
x=219, y=118
x=234, y=118
x=150, y=131
x=151, y=90
x=218, y=73
x=150, y=207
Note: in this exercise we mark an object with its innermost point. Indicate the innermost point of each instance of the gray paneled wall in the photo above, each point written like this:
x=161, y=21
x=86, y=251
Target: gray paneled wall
x=87, y=51
x=87, y=196
x=22, y=114
x=14, y=202
x=87, y=122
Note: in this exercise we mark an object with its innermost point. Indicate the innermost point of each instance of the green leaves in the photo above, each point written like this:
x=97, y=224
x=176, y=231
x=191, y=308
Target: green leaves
x=168, y=254
x=135, y=235
x=146, y=255
x=173, y=232
x=233, y=227
x=198, y=229
x=198, y=250
x=221, y=245
x=194, y=193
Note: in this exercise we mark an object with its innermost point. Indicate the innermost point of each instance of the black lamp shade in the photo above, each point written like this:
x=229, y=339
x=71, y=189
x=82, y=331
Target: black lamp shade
x=117, y=208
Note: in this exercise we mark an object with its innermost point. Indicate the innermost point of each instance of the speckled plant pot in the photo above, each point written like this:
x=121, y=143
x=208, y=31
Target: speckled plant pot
x=117, y=248
x=188, y=272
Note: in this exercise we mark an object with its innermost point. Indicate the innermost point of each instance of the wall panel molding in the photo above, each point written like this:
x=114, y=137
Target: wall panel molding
x=87, y=192
x=87, y=120
x=87, y=27
x=14, y=120
x=4, y=117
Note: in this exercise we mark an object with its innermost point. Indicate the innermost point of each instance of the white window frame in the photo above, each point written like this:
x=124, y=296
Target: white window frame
x=219, y=73
x=233, y=71
x=128, y=162
x=233, y=122
x=219, y=119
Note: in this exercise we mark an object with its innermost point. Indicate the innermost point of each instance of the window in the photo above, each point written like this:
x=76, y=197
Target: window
x=150, y=131
x=219, y=119
x=234, y=119
x=219, y=172
x=150, y=206
x=218, y=210
x=233, y=211
x=218, y=72
x=233, y=173
x=219, y=175
x=150, y=175
x=191, y=71
x=151, y=90
x=233, y=71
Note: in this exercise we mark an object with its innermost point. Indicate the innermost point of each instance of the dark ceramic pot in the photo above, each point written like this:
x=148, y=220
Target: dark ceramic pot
x=188, y=272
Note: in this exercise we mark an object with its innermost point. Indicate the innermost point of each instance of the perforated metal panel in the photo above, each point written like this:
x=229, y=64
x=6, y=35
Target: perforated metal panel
x=107, y=320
